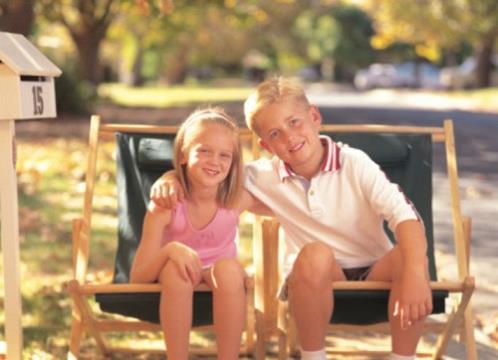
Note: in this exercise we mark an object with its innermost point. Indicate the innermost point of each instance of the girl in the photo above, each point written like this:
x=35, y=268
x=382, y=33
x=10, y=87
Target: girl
x=195, y=242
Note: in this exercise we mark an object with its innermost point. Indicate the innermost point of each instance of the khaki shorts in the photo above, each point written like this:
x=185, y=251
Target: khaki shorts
x=352, y=274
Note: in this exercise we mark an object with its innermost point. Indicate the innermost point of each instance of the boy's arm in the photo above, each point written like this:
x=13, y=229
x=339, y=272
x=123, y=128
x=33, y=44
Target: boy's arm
x=250, y=203
x=166, y=192
x=415, y=298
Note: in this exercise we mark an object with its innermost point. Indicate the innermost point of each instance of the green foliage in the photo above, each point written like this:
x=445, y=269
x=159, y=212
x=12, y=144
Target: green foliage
x=74, y=94
x=341, y=33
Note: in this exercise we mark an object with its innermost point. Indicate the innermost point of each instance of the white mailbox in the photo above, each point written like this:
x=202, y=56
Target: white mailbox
x=26, y=92
x=26, y=80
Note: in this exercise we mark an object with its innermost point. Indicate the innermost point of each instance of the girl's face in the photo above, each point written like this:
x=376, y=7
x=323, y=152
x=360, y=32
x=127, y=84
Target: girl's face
x=209, y=156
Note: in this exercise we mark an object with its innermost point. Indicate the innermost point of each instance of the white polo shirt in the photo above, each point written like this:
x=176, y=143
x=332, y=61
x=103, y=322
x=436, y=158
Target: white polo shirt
x=343, y=205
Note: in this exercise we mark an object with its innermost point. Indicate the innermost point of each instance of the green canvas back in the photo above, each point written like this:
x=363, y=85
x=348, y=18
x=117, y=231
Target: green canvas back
x=141, y=159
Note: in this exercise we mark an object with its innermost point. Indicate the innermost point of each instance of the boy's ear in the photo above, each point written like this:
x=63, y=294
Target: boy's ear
x=265, y=146
x=316, y=116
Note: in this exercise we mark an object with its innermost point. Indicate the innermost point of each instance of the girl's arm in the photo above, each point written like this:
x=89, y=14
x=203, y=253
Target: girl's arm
x=150, y=257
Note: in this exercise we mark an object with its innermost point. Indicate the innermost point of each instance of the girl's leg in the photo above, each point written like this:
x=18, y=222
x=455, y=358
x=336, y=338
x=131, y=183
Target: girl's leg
x=389, y=268
x=226, y=279
x=175, y=311
x=310, y=293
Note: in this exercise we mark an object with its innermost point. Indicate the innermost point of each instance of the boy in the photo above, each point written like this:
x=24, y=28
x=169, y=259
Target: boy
x=331, y=202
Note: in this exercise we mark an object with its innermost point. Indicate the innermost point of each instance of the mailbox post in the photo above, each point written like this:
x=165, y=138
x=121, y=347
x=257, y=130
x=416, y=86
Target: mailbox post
x=26, y=92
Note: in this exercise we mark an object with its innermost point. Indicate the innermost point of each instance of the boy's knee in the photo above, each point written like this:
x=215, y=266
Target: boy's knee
x=315, y=263
x=228, y=275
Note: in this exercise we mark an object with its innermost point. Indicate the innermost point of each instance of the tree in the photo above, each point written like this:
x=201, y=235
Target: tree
x=432, y=25
x=16, y=16
x=341, y=33
x=87, y=22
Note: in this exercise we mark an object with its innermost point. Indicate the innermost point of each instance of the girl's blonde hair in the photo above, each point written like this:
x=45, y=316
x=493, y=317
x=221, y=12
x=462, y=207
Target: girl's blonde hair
x=269, y=92
x=231, y=187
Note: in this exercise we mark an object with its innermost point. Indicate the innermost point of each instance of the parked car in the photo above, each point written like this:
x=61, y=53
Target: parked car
x=376, y=76
x=419, y=75
x=464, y=76
x=408, y=74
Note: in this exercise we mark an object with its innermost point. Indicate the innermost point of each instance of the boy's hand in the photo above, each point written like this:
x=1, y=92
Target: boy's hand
x=186, y=260
x=415, y=298
x=166, y=191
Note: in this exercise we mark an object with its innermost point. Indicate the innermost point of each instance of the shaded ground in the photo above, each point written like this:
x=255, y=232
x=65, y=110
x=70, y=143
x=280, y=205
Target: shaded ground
x=477, y=149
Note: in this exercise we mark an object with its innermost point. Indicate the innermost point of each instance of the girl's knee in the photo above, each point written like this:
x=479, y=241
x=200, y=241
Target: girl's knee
x=171, y=279
x=228, y=275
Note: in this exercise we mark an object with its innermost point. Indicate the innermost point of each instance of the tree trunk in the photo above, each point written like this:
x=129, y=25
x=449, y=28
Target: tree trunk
x=176, y=69
x=484, y=65
x=17, y=17
x=136, y=71
x=88, y=46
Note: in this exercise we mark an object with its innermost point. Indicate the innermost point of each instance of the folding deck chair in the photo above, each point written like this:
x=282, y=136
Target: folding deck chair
x=143, y=154
x=405, y=155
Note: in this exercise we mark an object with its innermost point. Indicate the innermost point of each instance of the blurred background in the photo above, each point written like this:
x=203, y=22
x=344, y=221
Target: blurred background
x=153, y=61
x=104, y=46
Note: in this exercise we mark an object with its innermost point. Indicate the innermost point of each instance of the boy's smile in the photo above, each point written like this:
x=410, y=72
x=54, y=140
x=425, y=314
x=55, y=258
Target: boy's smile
x=290, y=130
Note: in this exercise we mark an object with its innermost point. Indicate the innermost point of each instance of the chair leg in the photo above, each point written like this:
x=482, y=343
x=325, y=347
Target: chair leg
x=251, y=319
x=455, y=318
x=282, y=328
x=85, y=312
x=76, y=335
x=468, y=330
x=259, y=353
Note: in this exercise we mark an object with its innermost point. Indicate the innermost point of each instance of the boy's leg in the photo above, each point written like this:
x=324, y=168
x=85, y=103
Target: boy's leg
x=226, y=279
x=310, y=293
x=175, y=311
x=389, y=268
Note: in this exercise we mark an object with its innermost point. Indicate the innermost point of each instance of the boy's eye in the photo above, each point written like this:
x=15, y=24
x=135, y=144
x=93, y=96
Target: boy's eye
x=294, y=122
x=273, y=135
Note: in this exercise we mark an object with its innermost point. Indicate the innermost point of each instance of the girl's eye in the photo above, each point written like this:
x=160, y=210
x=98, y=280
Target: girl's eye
x=226, y=155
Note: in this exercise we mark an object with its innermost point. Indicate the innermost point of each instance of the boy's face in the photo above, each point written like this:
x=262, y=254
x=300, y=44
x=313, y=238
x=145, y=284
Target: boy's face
x=289, y=130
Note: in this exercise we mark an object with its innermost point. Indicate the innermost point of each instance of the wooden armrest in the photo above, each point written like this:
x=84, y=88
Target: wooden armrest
x=451, y=286
x=91, y=289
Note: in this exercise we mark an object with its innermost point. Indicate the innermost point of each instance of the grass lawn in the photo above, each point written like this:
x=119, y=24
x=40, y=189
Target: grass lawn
x=165, y=96
x=485, y=99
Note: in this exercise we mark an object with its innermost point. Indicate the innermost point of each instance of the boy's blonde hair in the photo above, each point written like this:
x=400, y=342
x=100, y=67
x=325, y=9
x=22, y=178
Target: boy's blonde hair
x=231, y=187
x=269, y=92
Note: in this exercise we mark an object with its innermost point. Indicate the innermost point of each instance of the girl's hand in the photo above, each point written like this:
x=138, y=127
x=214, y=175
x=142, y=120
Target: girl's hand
x=186, y=260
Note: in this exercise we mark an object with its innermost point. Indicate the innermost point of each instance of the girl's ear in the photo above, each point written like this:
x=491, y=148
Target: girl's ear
x=183, y=157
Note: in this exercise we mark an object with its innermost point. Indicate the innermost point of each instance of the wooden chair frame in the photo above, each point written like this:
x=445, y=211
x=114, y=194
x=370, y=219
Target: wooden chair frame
x=83, y=318
x=274, y=314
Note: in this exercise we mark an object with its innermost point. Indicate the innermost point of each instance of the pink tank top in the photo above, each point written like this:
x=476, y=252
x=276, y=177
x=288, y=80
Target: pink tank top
x=212, y=243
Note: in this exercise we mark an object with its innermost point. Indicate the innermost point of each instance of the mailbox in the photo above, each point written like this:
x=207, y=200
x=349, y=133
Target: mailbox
x=26, y=80
x=26, y=92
